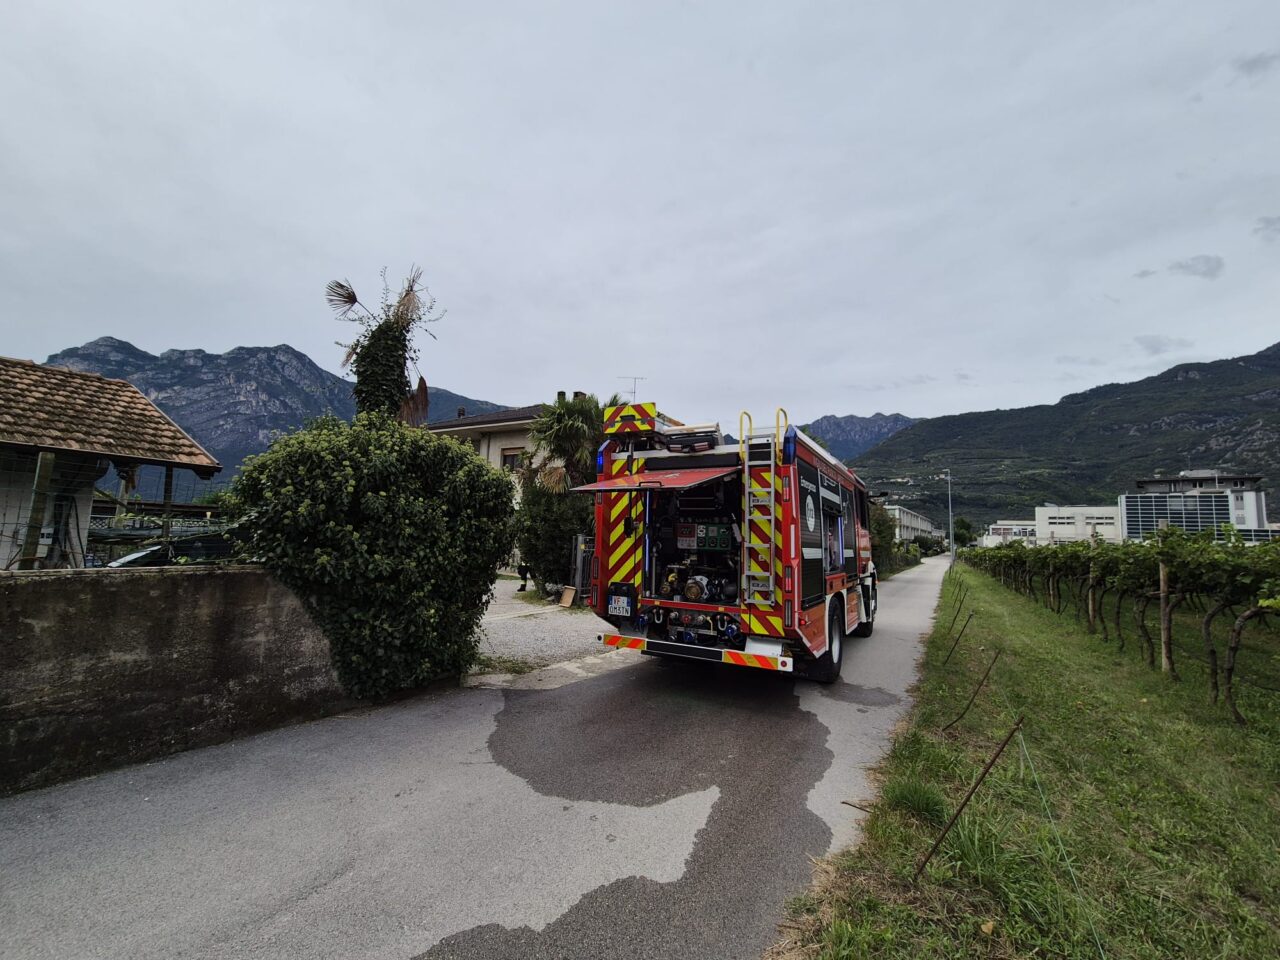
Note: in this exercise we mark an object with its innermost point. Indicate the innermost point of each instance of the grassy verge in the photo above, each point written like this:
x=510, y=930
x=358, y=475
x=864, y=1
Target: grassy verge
x=1139, y=821
x=535, y=599
x=486, y=663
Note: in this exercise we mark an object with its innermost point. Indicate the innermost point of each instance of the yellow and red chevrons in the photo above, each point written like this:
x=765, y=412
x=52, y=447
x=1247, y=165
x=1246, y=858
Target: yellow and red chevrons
x=623, y=560
x=631, y=418
x=766, y=621
x=738, y=659
x=763, y=661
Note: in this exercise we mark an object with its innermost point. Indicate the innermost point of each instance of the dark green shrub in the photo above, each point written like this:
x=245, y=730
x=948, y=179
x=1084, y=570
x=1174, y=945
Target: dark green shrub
x=883, y=530
x=379, y=366
x=390, y=535
x=546, y=524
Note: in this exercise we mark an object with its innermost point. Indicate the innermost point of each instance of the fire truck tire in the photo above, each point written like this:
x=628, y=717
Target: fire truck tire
x=826, y=669
x=871, y=600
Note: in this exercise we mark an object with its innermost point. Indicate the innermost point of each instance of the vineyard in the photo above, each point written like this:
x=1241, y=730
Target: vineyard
x=1170, y=572
x=1129, y=818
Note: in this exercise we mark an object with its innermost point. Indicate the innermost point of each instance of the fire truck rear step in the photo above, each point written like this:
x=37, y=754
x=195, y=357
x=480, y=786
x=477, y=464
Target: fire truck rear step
x=737, y=658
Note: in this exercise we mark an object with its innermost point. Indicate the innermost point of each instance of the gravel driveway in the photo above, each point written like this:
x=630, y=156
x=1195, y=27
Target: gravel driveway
x=513, y=627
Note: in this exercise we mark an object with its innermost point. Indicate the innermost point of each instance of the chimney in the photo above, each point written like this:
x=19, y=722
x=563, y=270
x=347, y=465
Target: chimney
x=578, y=394
x=462, y=412
x=559, y=396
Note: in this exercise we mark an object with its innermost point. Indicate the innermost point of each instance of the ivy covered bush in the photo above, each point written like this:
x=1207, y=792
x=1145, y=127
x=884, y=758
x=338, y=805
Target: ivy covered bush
x=391, y=536
x=546, y=524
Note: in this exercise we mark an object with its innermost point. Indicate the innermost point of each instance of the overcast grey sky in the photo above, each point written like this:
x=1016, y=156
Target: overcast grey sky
x=838, y=207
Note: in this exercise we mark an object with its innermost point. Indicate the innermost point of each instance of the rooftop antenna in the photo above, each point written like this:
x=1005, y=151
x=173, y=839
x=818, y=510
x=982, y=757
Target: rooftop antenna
x=634, y=381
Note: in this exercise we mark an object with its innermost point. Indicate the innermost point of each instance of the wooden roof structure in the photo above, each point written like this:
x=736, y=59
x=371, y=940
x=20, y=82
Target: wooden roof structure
x=54, y=409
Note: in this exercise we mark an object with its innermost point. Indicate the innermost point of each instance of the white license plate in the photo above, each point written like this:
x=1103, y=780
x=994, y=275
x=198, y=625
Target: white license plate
x=620, y=606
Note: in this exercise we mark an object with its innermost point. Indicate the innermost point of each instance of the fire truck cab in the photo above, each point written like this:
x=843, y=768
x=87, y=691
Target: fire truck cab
x=755, y=553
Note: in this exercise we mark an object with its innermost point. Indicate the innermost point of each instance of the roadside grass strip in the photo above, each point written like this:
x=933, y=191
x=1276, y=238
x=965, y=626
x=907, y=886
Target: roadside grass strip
x=1130, y=818
x=491, y=663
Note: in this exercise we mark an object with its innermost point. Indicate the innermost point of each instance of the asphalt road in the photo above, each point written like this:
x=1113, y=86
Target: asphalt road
x=612, y=807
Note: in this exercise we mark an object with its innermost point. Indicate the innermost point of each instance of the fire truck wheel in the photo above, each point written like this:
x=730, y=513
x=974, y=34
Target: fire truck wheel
x=826, y=669
x=871, y=600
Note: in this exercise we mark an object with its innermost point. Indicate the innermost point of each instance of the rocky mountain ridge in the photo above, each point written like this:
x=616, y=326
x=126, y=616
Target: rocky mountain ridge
x=848, y=436
x=234, y=403
x=1089, y=447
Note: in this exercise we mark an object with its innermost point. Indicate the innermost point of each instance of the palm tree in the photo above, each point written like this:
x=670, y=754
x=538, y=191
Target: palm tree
x=566, y=436
x=381, y=354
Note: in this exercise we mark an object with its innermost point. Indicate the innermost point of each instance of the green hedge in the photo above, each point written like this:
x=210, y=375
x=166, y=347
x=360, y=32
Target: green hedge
x=391, y=536
x=546, y=524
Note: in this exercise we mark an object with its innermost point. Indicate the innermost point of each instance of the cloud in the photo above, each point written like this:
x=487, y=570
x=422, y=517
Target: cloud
x=1068, y=359
x=666, y=203
x=1253, y=68
x=1155, y=344
x=964, y=376
x=1207, y=266
x=1268, y=228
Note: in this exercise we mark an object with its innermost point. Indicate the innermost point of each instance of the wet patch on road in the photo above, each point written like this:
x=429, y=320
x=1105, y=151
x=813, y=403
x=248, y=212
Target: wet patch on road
x=642, y=737
x=865, y=696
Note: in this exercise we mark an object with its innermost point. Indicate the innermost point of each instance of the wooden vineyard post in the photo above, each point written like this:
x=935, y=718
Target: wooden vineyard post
x=1166, y=624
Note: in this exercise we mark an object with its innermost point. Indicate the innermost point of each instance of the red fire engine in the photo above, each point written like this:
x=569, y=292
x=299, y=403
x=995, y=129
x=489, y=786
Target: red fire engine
x=755, y=553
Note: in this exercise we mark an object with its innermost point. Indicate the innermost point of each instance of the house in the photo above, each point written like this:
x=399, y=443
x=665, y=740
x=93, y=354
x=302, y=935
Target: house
x=60, y=431
x=500, y=438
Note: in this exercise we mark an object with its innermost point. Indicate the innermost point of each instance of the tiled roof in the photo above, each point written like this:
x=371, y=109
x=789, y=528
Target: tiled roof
x=48, y=408
x=514, y=415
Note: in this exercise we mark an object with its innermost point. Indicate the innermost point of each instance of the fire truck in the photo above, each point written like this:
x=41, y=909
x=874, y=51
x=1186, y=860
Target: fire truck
x=754, y=554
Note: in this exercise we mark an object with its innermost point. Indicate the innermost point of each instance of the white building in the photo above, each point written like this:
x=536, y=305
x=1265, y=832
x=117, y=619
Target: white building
x=908, y=524
x=1197, y=500
x=1002, y=531
x=1067, y=524
x=501, y=438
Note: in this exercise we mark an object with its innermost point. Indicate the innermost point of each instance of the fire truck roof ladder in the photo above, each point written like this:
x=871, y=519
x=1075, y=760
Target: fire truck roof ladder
x=760, y=457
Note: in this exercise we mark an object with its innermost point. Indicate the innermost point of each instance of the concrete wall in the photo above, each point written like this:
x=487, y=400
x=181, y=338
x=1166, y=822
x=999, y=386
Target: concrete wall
x=104, y=667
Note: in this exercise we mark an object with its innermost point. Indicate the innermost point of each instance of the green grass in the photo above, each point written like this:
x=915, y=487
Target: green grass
x=492, y=664
x=535, y=599
x=1165, y=832
x=913, y=796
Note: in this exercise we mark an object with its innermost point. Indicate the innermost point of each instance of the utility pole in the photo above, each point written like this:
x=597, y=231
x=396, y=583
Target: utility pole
x=951, y=521
x=634, y=381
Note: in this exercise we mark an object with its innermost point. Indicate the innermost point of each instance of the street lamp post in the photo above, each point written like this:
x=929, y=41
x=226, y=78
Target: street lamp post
x=951, y=522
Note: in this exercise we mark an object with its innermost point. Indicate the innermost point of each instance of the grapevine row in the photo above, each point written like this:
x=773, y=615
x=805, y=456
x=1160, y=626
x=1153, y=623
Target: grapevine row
x=1172, y=569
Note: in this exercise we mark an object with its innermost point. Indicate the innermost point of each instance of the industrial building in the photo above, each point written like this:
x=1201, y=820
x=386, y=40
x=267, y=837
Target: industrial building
x=1197, y=500
x=1193, y=500
x=907, y=525
x=1067, y=524
x=1002, y=531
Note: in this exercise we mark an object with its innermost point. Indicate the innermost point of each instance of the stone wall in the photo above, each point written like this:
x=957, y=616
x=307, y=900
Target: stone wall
x=104, y=667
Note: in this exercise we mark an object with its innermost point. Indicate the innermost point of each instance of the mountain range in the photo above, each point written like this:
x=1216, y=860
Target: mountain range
x=234, y=403
x=849, y=436
x=1086, y=448
x=1089, y=447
